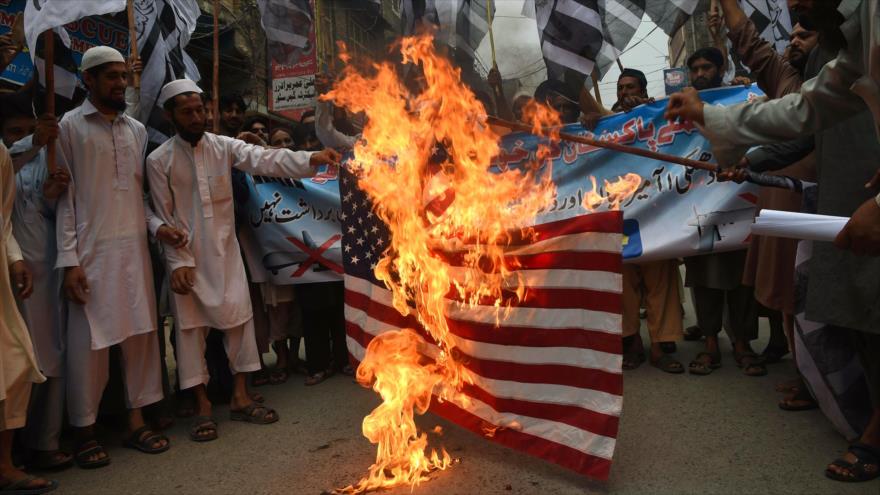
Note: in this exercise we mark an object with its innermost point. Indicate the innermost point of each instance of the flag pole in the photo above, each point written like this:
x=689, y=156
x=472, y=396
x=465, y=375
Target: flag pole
x=317, y=24
x=132, y=43
x=595, y=76
x=216, y=74
x=49, y=69
x=491, y=34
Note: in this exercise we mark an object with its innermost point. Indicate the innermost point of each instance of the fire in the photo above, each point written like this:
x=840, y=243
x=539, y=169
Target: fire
x=615, y=192
x=424, y=161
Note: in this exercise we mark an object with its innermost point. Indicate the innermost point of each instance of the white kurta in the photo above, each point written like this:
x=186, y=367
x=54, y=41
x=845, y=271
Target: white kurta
x=102, y=222
x=192, y=190
x=17, y=362
x=33, y=224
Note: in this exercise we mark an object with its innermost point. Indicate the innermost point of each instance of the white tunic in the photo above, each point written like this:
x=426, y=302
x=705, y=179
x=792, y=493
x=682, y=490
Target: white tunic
x=17, y=362
x=33, y=224
x=192, y=190
x=102, y=224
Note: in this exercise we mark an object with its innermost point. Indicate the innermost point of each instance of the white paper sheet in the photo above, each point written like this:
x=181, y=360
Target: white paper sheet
x=792, y=225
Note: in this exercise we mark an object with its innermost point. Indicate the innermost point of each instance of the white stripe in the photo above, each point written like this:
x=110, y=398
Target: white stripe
x=584, y=242
x=580, y=12
x=614, y=8
x=686, y=5
x=514, y=317
x=561, y=433
x=608, y=51
x=566, y=58
x=558, y=279
x=563, y=356
x=477, y=19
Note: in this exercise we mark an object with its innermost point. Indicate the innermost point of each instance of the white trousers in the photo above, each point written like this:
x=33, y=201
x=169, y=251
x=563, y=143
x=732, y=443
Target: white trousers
x=45, y=415
x=88, y=370
x=241, y=349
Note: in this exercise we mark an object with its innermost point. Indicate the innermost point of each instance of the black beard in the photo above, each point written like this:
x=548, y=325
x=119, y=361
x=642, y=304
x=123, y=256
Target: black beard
x=118, y=105
x=190, y=137
x=799, y=62
x=702, y=83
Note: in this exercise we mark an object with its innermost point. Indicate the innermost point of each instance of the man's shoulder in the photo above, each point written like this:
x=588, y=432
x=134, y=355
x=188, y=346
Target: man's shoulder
x=162, y=154
x=134, y=123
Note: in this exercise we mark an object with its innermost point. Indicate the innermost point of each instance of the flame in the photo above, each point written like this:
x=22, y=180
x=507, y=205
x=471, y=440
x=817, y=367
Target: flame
x=424, y=161
x=615, y=192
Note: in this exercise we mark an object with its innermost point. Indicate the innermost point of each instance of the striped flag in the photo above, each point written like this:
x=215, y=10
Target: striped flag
x=548, y=381
x=472, y=24
x=771, y=19
x=287, y=24
x=670, y=15
x=164, y=28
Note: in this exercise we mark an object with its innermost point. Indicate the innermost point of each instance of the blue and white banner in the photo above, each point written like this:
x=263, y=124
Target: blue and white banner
x=676, y=212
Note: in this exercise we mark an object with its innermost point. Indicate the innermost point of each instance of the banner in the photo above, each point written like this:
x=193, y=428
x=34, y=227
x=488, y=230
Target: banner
x=292, y=90
x=676, y=212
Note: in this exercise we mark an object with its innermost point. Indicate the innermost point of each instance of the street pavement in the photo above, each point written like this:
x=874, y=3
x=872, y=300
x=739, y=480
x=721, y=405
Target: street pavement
x=679, y=434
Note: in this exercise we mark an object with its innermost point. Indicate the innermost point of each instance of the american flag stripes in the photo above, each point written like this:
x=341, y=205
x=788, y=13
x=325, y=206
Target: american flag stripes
x=164, y=28
x=548, y=381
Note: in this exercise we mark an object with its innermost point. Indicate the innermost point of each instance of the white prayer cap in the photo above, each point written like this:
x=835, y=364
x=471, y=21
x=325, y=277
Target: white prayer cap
x=175, y=88
x=99, y=55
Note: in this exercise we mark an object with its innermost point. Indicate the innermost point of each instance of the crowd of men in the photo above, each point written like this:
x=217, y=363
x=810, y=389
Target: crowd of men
x=110, y=242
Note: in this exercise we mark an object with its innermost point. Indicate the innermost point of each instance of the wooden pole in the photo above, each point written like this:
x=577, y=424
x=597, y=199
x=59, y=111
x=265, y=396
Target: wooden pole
x=663, y=157
x=132, y=43
x=491, y=34
x=620, y=65
x=216, y=74
x=49, y=69
x=319, y=51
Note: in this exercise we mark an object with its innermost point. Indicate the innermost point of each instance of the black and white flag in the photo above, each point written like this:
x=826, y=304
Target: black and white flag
x=287, y=24
x=771, y=19
x=472, y=24
x=164, y=28
x=670, y=15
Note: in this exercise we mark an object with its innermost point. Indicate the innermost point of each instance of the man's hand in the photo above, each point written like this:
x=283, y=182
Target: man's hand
x=46, y=130
x=874, y=183
x=861, y=234
x=741, y=81
x=21, y=277
x=76, y=287
x=175, y=238
x=135, y=66
x=590, y=120
x=716, y=23
x=251, y=138
x=685, y=105
x=183, y=279
x=323, y=82
x=630, y=102
x=8, y=49
x=494, y=78
x=327, y=156
x=738, y=174
x=56, y=184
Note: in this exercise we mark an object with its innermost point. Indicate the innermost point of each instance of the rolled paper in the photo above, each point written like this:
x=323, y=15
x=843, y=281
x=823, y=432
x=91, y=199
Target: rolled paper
x=805, y=226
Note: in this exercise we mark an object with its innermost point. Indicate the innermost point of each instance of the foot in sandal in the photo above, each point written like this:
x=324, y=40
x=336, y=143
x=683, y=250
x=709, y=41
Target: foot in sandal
x=664, y=362
x=860, y=463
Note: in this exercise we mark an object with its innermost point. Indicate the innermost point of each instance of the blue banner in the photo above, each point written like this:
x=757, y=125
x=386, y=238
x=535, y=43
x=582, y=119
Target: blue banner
x=677, y=211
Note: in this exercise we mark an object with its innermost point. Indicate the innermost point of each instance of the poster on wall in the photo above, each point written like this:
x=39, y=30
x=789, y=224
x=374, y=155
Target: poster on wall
x=292, y=91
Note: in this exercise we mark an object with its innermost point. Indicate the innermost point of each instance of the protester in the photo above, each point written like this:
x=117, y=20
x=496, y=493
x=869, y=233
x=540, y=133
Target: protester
x=281, y=137
x=232, y=109
x=559, y=96
x=102, y=248
x=258, y=126
x=33, y=225
x=207, y=272
x=844, y=88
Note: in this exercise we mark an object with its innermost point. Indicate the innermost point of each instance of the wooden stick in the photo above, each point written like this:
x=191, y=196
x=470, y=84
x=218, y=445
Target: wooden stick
x=653, y=155
x=216, y=74
x=49, y=69
x=620, y=65
x=595, y=76
x=491, y=34
x=132, y=43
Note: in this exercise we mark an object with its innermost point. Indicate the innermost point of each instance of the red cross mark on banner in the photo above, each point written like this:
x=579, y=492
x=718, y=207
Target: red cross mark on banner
x=315, y=255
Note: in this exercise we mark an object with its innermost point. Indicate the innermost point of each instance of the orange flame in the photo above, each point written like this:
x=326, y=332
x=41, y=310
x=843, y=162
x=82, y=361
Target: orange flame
x=431, y=205
x=615, y=192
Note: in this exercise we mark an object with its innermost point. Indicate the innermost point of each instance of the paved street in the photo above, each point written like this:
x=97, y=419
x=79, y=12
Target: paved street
x=679, y=434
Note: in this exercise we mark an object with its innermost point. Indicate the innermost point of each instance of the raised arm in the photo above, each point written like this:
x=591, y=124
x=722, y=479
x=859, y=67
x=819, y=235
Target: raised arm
x=276, y=162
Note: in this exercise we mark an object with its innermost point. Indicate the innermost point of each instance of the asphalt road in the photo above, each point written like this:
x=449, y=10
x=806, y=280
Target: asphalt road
x=679, y=434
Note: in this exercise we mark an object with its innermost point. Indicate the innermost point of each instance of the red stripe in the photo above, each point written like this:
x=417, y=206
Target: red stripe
x=489, y=333
x=579, y=417
x=606, y=222
x=585, y=464
x=557, y=374
x=592, y=300
x=558, y=260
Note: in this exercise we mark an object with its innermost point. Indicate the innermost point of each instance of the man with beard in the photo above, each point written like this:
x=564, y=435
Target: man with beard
x=716, y=278
x=191, y=186
x=102, y=221
x=841, y=105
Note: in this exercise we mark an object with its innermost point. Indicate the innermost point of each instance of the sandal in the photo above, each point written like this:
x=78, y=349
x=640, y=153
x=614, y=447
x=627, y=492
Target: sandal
x=50, y=460
x=316, y=378
x=773, y=354
x=143, y=439
x=88, y=449
x=278, y=376
x=260, y=378
x=866, y=467
x=700, y=366
x=751, y=364
x=693, y=333
x=254, y=413
x=203, y=429
x=668, y=364
x=801, y=400
x=20, y=487
x=792, y=386
x=632, y=360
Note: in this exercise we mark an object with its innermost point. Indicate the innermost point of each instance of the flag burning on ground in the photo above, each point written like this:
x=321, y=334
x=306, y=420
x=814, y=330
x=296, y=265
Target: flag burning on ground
x=452, y=246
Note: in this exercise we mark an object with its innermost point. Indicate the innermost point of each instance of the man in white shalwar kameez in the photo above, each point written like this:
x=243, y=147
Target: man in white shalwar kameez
x=190, y=182
x=18, y=365
x=102, y=222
